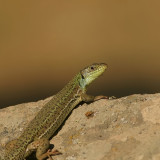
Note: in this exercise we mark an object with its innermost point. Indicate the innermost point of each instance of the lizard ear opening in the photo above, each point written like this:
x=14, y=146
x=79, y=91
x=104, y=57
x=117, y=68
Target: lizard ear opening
x=82, y=80
x=82, y=75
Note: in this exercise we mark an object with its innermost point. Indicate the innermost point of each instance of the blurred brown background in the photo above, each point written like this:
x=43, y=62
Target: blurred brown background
x=43, y=44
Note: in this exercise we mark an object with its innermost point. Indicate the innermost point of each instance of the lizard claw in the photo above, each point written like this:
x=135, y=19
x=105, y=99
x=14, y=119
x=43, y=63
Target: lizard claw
x=52, y=153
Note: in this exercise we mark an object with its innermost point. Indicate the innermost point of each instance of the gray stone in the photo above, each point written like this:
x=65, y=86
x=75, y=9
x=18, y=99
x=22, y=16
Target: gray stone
x=127, y=128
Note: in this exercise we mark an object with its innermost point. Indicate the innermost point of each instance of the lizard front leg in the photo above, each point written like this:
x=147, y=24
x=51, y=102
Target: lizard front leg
x=42, y=149
x=90, y=98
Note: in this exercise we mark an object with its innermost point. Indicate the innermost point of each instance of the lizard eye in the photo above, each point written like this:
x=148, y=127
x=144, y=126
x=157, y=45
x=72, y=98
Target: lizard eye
x=92, y=67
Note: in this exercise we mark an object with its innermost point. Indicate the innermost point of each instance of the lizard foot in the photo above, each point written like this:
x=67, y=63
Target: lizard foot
x=100, y=97
x=52, y=153
x=48, y=154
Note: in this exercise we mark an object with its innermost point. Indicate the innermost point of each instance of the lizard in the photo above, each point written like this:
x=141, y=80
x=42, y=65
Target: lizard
x=37, y=134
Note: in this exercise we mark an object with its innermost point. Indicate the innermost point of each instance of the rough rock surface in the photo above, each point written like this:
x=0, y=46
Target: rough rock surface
x=127, y=128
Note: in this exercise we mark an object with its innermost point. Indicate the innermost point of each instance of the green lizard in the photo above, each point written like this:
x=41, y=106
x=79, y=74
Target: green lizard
x=37, y=134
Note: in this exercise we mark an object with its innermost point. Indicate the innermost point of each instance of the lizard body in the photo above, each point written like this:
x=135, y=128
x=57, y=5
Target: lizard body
x=37, y=134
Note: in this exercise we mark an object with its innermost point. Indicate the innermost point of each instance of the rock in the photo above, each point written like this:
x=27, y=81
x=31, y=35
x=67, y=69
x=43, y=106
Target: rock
x=127, y=128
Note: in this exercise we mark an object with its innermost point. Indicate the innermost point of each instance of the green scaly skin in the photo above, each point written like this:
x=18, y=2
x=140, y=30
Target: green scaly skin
x=53, y=114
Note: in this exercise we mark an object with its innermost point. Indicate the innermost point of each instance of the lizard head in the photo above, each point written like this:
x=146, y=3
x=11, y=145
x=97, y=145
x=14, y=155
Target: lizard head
x=91, y=72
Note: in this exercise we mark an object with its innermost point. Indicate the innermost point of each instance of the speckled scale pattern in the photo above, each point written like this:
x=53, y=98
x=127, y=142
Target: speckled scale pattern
x=50, y=116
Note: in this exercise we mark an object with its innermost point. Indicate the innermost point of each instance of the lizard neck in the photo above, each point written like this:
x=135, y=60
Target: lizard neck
x=73, y=86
